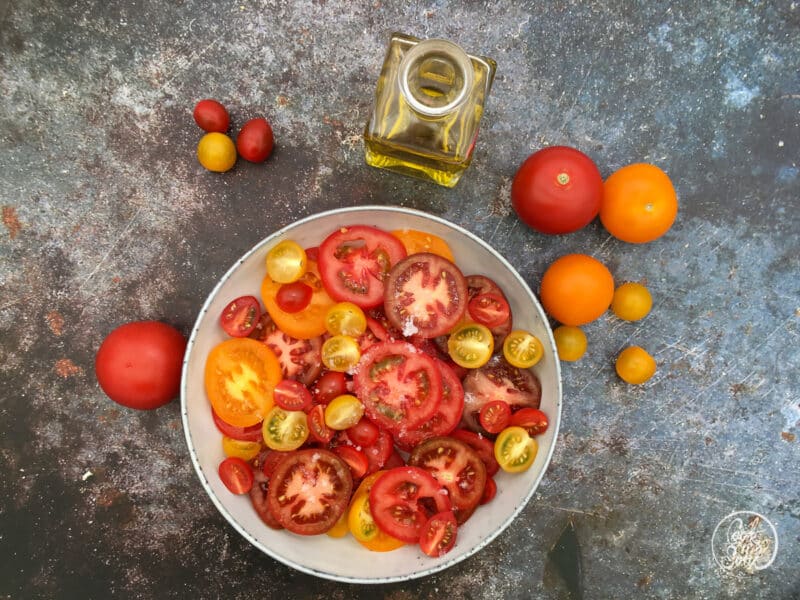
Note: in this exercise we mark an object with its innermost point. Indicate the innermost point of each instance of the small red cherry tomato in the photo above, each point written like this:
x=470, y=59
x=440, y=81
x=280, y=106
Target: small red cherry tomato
x=294, y=297
x=329, y=385
x=255, y=140
x=236, y=474
x=317, y=428
x=532, y=420
x=355, y=459
x=291, y=395
x=438, y=534
x=489, y=309
x=210, y=115
x=363, y=433
x=495, y=416
x=241, y=316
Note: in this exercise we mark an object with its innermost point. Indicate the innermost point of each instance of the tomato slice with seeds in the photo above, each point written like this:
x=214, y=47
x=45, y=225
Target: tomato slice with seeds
x=532, y=420
x=286, y=262
x=309, y=491
x=361, y=523
x=426, y=295
x=495, y=416
x=355, y=262
x=438, y=535
x=401, y=499
x=340, y=353
x=522, y=349
x=480, y=284
x=299, y=358
x=292, y=395
x=258, y=497
x=457, y=467
x=470, y=345
x=285, y=429
x=515, y=450
x=489, y=309
x=240, y=317
x=246, y=450
x=482, y=445
x=236, y=474
x=400, y=386
x=240, y=374
x=317, y=429
x=355, y=459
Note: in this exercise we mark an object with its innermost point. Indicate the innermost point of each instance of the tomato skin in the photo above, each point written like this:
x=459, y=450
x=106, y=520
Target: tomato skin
x=236, y=474
x=631, y=302
x=293, y=297
x=255, y=140
x=138, y=364
x=635, y=365
x=216, y=152
x=532, y=420
x=355, y=459
x=363, y=433
x=571, y=342
x=557, y=190
x=438, y=535
x=292, y=395
x=489, y=492
x=211, y=115
x=240, y=317
x=576, y=289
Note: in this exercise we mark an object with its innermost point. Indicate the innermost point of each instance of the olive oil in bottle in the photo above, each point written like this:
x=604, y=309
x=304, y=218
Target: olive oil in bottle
x=428, y=105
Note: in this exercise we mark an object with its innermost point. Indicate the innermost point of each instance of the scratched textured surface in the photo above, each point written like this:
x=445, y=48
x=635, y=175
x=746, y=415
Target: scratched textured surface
x=108, y=218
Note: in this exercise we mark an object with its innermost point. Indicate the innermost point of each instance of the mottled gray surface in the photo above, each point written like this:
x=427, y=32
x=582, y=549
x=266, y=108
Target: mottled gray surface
x=108, y=218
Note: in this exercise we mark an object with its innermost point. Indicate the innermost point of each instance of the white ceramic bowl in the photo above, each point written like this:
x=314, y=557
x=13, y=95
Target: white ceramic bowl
x=344, y=559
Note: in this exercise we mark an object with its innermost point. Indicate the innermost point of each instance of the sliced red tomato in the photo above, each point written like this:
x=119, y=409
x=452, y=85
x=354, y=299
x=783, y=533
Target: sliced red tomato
x=489, y=309
x=258, y=497
x=532, y=420
x=245, y=434
x=317, y=429
x=495, y=416
x=355, y=459
x=355, y=261
x=425, y=295
x=438, y=535
x=482, y=445
x=309, y=491
x=378, y=453
x=362, y=525
x=240, y=316
x=270, y=461
x=401, y=499
x=457, y=467
x=240, y=374
x=299, y=358
x=400, y=386
x=236, y=474
x=292, y=395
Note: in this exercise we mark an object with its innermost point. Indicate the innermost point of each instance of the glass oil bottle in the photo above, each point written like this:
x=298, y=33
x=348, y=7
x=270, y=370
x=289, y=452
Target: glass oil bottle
x=428, y=106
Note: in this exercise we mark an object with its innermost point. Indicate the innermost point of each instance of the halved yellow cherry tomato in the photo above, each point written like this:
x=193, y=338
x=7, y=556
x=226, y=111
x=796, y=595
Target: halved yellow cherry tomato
x=340, y=353
x=343, y=412
x=345, y=318
x=361, y=524
x=240, y=375
x=240, y=448
x=422, y=241
x=570, y=342
x=515, y=450
x=470, y=345
x=285, y=429
x=341, y=529
x=522, y=349
x=286, y=262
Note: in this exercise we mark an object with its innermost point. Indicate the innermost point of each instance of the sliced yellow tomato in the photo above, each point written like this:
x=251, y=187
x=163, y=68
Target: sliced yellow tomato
x=515, y=450
x=470, y=345
x=286, y=262
x=345, y=318
x=240, y=375
x=285, y=429
x=343, y=412
x=340, y=353
x=341, y=529
x=240, y=448
x=522, y=349
x=421, y=241
x=361, y=523
x=307, y=323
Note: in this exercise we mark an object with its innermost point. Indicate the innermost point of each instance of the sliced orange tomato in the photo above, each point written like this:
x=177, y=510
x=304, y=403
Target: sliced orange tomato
x=304, y=324
x=240, y=375
x=361, y=524
x=421, y=241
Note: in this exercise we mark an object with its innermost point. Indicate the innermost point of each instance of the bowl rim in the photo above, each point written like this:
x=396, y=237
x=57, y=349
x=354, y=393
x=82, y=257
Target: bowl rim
x=554, y=423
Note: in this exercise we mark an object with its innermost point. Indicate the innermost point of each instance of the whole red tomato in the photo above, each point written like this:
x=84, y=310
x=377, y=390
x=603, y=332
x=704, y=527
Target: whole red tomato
x=557, y=190
x=255, y=140
x=139, y=364
x=211, y=116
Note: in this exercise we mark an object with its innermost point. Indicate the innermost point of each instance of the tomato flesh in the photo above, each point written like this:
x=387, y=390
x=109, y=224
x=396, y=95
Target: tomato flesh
x=532, y=420
x=489, y=309
x=495, y=416
x=438, y=535
x=236, y=474
x=299, y=358
x=292, y=395
x=240, y=317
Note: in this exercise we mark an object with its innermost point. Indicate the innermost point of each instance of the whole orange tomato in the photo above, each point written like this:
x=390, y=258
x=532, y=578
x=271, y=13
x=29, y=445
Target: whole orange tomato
x=577, y=289
x=639, y=203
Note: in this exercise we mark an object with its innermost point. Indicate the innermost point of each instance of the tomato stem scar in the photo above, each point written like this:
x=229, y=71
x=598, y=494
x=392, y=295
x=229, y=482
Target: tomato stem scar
x=563, y=178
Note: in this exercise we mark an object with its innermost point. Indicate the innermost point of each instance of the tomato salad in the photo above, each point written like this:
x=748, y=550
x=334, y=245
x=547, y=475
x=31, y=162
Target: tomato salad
x=377, y=393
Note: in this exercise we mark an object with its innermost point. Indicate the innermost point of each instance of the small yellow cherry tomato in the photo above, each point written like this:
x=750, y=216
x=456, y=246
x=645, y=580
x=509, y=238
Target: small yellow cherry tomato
x=631, y=301
x=570, y=342
x=522, y=349
x=515, y=450
x=470, y=345
x=216, y=152
x=286, y=262
x=635, y=365
x=340, y=353
x=343, y=412
x=345, y=318
x=285, y=429
x=240, y=448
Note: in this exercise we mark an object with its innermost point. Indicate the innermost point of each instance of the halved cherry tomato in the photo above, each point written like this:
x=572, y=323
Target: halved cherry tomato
x=457, y=467
x=240, y=448
x=309, y=491
x=355, y=459
x=245, y=434
x=299, y=359
x=470, y=345
x=490, y=491
x=343, y=412
x=293, y=297
x=401, y=499
x=329, y=385
x=285, y=429
x=286, y=262
x=495, y=416
x=304, y=324
x=363, y=433
x=532, y=420
x=515, y=450
x=422, y=241
x=236, y=474
x=483, y=446
x=425, y=295
x=240, y=317
x=480, y=284
x=345, y=318
x=355, y=261
x=489, y=309
x=361, y=523
x=240, y=374
x=399, y=386
x=317, y=428
x=340, y=353
x=438, y=535
x=522, y=349
x=292, y=395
